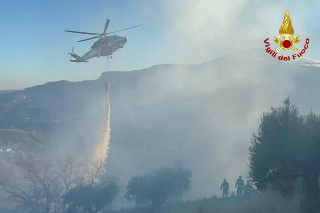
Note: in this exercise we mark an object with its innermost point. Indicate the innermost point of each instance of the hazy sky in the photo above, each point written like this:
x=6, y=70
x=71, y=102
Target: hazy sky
x=34, y=45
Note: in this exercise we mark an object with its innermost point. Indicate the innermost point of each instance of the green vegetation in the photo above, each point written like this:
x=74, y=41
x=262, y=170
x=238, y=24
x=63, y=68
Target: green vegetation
x=90, y=198
x=158, y=186
x=287, y=146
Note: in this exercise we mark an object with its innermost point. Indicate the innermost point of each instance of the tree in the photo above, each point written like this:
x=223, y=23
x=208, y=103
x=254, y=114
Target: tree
x=90, y=198
x=158, y=186
x=286, y=146
x=93, y=193
x=39, y=185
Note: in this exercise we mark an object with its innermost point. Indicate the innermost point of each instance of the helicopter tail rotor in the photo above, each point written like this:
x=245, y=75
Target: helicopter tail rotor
x=78, y=58
x=71, y=53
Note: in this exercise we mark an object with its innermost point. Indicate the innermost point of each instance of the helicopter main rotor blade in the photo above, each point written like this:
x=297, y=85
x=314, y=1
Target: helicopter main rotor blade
x=106, y=26
x=71, y=31
x=89, y=38
x=125, y=29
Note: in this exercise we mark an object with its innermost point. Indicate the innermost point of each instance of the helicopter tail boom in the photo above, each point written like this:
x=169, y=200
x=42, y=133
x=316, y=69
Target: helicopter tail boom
x=78, y=58
x=75, y=56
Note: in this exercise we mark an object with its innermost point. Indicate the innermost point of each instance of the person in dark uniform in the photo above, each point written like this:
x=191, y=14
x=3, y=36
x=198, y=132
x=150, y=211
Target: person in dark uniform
x=248, y=188
x=225, y=188
x=239, y=185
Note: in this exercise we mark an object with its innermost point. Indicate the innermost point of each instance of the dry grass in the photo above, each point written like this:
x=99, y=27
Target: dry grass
x=268, y=202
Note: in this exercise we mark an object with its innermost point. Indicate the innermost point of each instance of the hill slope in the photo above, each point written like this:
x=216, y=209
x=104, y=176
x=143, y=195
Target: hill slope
x=197, y=116
x=17, y=140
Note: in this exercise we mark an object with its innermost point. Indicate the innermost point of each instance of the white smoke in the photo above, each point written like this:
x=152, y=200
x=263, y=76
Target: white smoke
x=207, y=29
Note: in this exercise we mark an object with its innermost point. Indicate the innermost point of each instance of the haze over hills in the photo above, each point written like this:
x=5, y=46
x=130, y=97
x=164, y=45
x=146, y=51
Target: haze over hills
x=5, y=91
x=197, y=116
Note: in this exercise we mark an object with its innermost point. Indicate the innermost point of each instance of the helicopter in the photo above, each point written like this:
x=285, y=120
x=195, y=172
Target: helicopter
x=107, y=44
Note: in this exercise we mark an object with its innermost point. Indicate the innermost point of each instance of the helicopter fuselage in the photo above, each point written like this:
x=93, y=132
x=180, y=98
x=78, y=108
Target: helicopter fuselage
x=109, y=44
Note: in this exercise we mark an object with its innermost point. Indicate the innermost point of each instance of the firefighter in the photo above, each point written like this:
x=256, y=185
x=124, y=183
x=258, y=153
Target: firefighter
x=225, y=188
x=248, y=188
x=239, y=185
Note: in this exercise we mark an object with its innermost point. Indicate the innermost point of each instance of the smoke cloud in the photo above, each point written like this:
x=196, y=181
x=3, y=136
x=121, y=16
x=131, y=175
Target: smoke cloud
x=207, y=29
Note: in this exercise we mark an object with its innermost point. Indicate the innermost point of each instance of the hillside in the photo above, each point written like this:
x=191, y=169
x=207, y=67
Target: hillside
x=268, y=202
x=197, y=116
x=17, y=140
